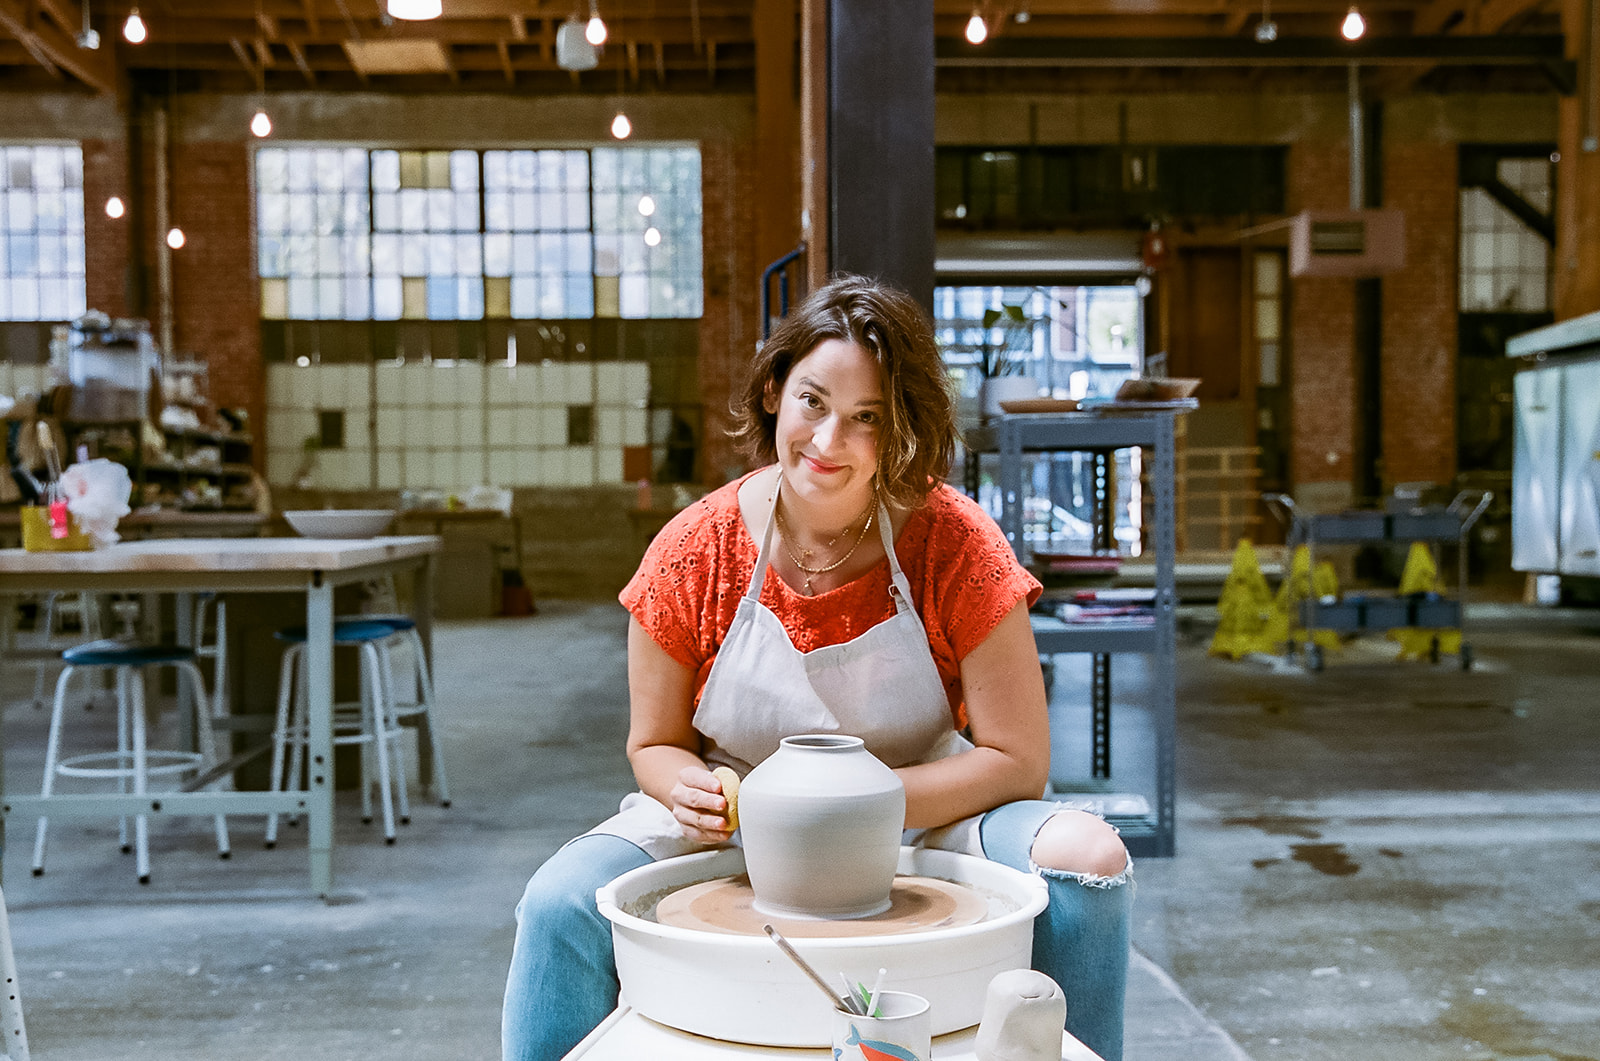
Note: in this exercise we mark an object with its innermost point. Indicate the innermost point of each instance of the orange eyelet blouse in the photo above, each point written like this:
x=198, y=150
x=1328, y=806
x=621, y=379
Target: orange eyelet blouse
x=964, y=580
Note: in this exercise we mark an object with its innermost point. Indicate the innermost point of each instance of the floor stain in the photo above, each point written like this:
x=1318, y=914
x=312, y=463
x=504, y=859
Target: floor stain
x=1458, y=705
x=1503, y=1028
x=1263, y=863
x=1590, y=909
x=1282, y=825
x=1391, y=852
x=1331, y=859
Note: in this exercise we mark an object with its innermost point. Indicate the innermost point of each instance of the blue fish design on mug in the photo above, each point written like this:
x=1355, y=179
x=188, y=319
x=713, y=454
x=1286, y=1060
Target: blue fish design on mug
x=875, y=1049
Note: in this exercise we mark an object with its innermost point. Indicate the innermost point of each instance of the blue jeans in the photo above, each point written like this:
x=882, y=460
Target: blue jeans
x=563, y=978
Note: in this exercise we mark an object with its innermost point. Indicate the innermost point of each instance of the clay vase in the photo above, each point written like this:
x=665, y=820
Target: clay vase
x=821, y=820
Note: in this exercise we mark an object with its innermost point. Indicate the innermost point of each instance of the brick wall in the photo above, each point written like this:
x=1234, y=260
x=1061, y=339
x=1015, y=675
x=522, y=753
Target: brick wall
x=215, y=297
x=1321, y=332
x=1419, y=317
x=106, y=241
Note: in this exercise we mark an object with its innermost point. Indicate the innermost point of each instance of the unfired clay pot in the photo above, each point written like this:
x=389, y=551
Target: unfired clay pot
x=821, y=820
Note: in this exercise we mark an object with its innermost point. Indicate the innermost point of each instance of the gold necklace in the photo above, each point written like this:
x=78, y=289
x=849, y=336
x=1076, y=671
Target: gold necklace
x=812, y=572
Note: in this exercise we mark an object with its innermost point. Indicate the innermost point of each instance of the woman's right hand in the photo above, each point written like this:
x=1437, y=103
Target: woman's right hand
x=700, y=807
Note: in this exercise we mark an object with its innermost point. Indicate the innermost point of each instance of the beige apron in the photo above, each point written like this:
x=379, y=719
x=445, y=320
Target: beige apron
x=881, y=686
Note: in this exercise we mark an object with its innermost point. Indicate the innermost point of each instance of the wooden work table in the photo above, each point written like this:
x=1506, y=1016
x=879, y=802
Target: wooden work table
x=183, y=566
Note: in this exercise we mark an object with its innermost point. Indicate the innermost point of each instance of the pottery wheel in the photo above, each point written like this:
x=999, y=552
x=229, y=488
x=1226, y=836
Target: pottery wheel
x=916, y=904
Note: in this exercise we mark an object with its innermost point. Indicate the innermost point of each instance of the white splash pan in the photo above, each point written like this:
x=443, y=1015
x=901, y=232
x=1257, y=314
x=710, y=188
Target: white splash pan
x=744, y=989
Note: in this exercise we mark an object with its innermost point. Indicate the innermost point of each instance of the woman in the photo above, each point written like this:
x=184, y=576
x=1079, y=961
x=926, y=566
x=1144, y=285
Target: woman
x=840, y=587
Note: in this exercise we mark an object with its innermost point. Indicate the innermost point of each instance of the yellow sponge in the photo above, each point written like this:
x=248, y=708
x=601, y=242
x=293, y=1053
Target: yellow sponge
x=730, y=792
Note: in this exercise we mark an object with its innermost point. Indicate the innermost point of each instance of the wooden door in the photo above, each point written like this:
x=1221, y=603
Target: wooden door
x=1208, y=327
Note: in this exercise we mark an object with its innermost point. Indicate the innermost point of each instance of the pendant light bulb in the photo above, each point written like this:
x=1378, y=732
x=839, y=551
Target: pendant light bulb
x=595, y=31
x=175, y=238
x=1354, y=26
x=114, y=208
x=133, y=30
x=652, y=236
x=621, y=127
x=647, y=205
x=415, y=10
x=977, y=31
x=261, y=125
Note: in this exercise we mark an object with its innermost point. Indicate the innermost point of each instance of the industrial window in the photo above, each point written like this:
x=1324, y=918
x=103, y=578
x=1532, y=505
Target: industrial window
x=356, y=234
x=1505, y=265
x=41, y=233
x=1071, y=343
x=1269, y=317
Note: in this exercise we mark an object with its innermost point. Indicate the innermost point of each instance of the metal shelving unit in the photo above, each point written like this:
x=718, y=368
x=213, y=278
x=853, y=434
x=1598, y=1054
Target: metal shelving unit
x=1103, y=432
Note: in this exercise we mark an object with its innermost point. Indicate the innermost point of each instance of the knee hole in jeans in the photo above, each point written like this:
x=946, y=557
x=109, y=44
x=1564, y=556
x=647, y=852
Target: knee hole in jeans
x=1073, y=841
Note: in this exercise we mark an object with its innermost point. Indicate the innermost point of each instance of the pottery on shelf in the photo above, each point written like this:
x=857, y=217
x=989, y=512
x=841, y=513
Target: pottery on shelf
x=821, y=820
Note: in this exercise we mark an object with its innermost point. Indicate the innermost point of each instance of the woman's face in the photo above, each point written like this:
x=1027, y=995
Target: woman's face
x=830, y=410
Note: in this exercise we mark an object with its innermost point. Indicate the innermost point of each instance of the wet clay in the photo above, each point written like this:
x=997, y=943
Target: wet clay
x=916, y=904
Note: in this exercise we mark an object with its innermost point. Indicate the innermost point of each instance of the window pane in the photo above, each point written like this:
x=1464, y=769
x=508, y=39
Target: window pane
x=41, y=233
x=352, y=223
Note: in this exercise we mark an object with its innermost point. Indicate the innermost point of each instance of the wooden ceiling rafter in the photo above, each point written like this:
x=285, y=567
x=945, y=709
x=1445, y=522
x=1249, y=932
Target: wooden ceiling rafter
x=253, y=66
x=704, y=41
x=298, y=54
x=54, y=49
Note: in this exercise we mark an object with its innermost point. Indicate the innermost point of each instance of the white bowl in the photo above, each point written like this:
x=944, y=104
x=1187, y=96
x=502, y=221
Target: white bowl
x=340, y=523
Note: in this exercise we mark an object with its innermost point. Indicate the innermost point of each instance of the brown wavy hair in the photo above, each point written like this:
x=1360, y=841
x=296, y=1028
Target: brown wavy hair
x=916, y=442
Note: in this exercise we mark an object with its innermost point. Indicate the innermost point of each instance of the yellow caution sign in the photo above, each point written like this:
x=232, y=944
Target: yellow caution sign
x=1244, y=608
x=1421, y=575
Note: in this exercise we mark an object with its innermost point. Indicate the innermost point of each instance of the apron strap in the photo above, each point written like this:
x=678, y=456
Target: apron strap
x=900, y=586
x=764, y=555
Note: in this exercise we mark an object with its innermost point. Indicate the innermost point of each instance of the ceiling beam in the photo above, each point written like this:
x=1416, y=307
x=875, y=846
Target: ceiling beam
x=217, y=28
x=299, y=56
x=257, y=73
x=1495, y=15
x=1438, y=15
x=503, y=50
x=55, y=50
x=310, y=9
x=1218, y=51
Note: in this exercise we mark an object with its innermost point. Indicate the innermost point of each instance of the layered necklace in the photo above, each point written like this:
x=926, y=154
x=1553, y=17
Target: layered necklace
x=790, y=543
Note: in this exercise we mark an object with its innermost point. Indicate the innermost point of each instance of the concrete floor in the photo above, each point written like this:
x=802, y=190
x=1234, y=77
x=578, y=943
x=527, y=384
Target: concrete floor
x=1382, y=860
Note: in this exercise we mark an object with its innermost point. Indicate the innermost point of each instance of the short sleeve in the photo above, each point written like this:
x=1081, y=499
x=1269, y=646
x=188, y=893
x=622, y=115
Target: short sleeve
x=673, y=593
x=979, y=580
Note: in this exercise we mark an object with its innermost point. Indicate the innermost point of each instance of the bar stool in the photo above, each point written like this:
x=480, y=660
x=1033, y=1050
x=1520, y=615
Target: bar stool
x=56, y=605
x=133, y=760
x=405, y=634
x=370, y=722
x=216, y=649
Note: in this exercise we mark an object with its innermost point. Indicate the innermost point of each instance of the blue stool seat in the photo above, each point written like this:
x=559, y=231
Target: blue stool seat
x=113, y=653
x=352, y=632
x=395, y=622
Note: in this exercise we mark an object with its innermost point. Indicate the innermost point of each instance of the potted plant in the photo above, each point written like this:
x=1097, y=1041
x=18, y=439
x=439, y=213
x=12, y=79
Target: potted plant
x=1004, y=362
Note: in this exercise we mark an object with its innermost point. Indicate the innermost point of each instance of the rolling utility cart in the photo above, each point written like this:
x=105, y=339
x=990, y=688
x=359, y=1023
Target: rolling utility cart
x=1147, y=427
x=1356, y=613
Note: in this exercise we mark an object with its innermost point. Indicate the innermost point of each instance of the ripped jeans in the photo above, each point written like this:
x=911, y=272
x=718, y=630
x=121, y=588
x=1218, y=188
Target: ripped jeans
x=563, y=980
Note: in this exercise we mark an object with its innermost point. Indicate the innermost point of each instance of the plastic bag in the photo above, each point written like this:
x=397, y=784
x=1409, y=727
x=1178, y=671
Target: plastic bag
x=97, y=496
